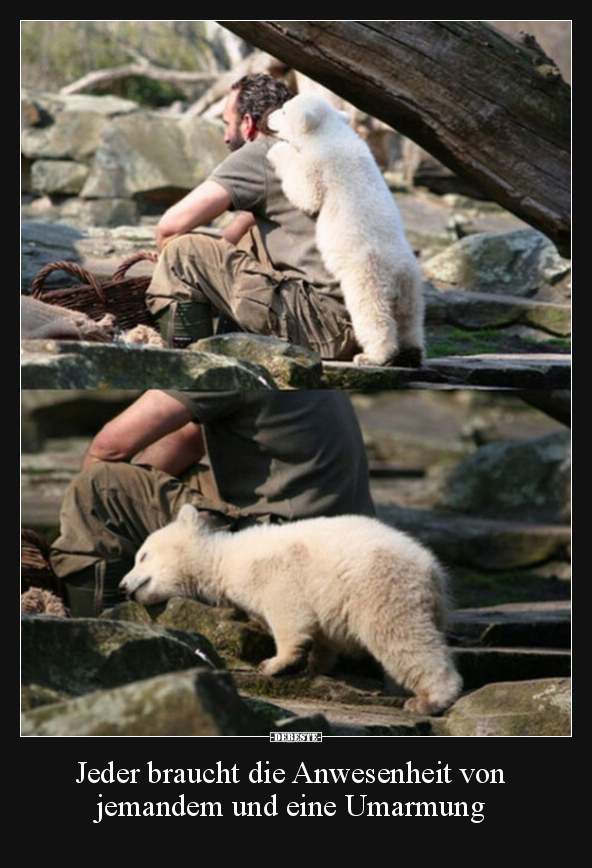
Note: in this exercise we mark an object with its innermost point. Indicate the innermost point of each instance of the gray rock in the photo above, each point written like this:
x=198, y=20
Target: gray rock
x=195, y=702
x=128, y=611
x=236, y=640
x=478, y=310
x=545, y=624
x=100, y=212
x=64, y=412
x=481, y=666
x=35, y=696
x=530, y=708
x=347, y=720
x=80, y=655
x=87, y=656
x=500, y=371
x=203, y=145
x=522, y=263
x=467, y=540
x=492, y=371
x=71, y=136
x=291, y=367
x=552, y=318
x=42, y=243
x=40, y=370
x=153, y=157
x=82, y=365
x=521, y=480
x=357, y=378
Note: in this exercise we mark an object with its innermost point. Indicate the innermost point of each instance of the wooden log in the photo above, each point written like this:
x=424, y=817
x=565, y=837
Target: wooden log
x=494, y=110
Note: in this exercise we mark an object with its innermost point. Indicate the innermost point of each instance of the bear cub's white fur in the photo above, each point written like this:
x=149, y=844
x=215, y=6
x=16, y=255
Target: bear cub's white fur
x=322, y=586
x=329, y=172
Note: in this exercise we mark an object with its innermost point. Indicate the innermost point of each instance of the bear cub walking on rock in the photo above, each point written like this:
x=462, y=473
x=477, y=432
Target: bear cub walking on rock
x=323, y=586
x=329, y=172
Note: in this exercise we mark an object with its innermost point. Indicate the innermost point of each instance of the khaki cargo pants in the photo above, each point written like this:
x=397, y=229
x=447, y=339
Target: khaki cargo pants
x=107, y=513
x=240, y=282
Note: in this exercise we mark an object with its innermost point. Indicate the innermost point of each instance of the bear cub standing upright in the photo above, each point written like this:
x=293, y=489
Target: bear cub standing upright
x=329, y=172
x=323, y=586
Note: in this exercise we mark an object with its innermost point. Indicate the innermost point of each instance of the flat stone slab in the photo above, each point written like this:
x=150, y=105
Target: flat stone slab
x=545, y=624
x=51, y=364
x=526, y=371
x=478, y=542
x=474, y=310
x=480, y=666
x=518, y=708
x=354, y=720
x=55, y=364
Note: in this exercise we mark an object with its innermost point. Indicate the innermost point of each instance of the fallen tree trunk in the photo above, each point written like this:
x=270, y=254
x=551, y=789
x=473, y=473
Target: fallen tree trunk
x=495, y=111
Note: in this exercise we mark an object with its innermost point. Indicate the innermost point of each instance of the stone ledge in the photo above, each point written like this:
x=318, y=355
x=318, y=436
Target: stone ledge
x=526, y=371
x=241, y=361
x=80, y=365
x=481, y=666
x=477, y=310
x=545, y=624
x=480, y=543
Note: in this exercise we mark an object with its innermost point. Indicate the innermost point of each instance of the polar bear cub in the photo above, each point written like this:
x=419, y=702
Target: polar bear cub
x=329, y=172
x=322, y=586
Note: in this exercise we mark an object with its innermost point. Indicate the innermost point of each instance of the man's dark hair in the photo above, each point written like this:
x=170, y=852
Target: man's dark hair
x=260, y=93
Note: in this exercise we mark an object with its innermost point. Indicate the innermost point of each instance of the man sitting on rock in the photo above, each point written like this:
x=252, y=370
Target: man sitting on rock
x=263, y=272
x=269, y=457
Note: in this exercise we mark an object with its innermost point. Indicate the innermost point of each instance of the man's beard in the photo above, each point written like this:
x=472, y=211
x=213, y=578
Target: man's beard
x=235, y=143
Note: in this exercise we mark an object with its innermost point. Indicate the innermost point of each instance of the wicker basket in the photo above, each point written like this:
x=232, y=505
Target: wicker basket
x=36, y=569
x=122, y=296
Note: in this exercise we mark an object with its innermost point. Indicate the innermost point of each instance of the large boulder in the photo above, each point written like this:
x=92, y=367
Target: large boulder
x=79, y=655
x=541, y=707
x=50, y=364
x=109, y=150
x=514, y=480
x=153, y=157
x=70, y=136
x=58, y=177
x=292, y=367
x=522, y=263
x=195, y=702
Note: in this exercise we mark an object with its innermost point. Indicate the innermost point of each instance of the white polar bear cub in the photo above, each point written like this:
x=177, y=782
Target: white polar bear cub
x=328, y=171
x=346, y=584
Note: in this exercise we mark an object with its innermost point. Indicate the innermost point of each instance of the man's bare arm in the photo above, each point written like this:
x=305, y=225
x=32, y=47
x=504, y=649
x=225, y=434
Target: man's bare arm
x=153, y=416
x=238, y=227
x=175, y=452
x=197, y=208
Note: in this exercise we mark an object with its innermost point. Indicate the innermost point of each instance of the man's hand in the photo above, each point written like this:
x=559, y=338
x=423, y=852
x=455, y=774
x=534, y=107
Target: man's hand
x=197, y=208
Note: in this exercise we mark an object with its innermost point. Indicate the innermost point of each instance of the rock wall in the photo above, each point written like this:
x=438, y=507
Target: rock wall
x=104, y=161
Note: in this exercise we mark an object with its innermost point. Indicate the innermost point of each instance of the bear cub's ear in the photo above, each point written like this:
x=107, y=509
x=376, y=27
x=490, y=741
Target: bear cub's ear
x=189, y=515
x=310, y=118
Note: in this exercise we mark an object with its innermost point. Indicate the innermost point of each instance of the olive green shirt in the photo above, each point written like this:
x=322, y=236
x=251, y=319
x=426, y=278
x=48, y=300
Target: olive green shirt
x=288, y=454
x=287, y=233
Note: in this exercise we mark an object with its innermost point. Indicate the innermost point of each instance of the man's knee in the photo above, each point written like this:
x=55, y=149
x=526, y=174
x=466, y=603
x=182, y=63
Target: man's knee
x=184, y=256
x=104, y=475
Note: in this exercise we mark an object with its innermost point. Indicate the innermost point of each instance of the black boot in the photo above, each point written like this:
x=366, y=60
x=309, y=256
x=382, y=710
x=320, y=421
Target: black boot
x=183, y=323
